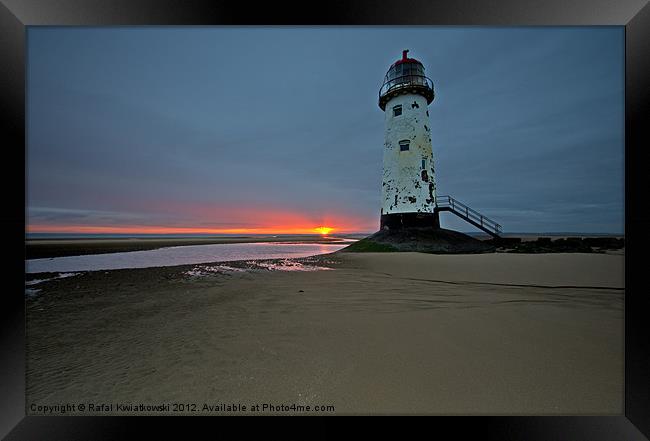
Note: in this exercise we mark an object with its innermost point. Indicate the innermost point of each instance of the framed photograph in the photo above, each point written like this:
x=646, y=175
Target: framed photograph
x=431, y=210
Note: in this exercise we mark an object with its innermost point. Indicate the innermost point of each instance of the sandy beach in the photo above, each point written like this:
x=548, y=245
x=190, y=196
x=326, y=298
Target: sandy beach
x=376, y=333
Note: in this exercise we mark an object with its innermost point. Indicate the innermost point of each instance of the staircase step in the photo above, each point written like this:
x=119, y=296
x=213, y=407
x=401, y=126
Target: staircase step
x=447, y=203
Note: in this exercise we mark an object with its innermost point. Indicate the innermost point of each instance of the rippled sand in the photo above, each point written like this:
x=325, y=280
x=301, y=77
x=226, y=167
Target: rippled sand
x=379, y=333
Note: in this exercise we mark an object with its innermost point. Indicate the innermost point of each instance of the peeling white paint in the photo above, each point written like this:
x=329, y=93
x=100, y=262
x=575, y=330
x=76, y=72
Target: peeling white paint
x=405, y=188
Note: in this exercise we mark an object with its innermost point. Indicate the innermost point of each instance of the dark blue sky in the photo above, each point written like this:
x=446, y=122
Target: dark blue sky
x=253, y=127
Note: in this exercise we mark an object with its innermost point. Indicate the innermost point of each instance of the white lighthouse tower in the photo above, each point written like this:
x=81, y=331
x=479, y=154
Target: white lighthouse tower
x=408, y=193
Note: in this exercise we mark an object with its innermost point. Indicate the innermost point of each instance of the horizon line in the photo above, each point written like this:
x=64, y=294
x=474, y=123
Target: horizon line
x=296, y=232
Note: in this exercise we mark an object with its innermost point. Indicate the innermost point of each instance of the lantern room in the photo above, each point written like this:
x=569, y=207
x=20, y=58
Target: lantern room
x=405, y=76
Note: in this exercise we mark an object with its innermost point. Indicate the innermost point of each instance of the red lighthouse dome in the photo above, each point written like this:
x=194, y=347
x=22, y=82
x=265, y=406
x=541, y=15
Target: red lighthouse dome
x=405, y=59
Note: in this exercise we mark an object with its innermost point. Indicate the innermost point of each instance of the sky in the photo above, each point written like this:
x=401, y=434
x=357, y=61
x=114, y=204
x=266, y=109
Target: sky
x=277, y=129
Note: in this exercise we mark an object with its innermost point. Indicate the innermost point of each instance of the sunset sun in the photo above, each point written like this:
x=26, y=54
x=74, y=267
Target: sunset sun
x=323, y=230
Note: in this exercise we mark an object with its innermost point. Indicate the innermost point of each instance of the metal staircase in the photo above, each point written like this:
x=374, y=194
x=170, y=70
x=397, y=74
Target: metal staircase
x=447, y=203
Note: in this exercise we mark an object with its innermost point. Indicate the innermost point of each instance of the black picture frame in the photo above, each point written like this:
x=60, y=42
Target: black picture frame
x=17, y=15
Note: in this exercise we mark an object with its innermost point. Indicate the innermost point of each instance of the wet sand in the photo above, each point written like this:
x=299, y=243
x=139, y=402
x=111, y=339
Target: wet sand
x=399, y=333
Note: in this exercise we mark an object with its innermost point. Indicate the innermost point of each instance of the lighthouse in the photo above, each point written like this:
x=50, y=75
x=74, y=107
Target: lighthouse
x=408, y=192
x=410, y=208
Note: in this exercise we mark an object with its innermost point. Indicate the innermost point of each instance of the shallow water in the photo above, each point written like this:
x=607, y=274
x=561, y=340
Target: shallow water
x=253, y=265
x=182, y=255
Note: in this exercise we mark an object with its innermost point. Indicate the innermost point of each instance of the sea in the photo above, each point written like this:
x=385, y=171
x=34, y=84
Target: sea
x=181, y=255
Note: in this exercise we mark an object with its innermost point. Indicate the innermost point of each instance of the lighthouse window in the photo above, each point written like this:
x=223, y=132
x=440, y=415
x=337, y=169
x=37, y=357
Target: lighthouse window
x=404, y=145
x=397, y=110
x=424, y=163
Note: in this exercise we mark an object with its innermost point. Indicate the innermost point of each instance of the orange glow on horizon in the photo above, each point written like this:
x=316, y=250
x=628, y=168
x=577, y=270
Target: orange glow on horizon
x=230, y=219
x=146, y=229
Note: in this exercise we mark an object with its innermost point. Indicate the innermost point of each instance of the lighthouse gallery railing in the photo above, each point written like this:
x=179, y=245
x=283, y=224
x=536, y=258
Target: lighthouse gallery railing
x=473, y=216
x=405, y=81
